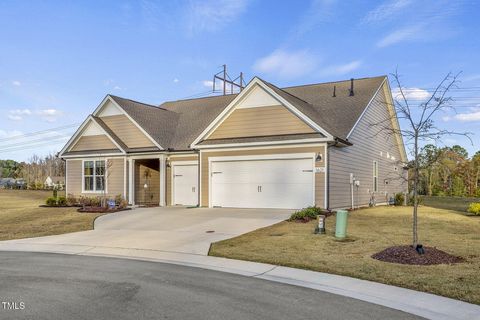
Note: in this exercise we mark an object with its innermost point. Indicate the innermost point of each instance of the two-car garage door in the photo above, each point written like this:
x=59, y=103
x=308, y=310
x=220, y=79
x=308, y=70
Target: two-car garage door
x=265, y=183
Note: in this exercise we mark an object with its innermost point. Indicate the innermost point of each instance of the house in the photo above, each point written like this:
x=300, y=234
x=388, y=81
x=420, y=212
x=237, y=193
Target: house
x=6, y=183
x=266, y=147
x=54, y=182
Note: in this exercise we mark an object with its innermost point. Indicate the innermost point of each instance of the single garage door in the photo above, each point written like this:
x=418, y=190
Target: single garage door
x=281, y=183
x=185, y=184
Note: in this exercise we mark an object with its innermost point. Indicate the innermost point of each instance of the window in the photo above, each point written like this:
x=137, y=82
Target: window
x=375, y=176
x=94, y=175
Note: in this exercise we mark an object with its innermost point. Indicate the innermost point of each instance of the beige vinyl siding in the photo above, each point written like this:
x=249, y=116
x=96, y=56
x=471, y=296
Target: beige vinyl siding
x=127, y=131
x=97, y=142
x=168, y=176
x=262, y=121
x=370, y=144
x=115, y=176
x=319, y=177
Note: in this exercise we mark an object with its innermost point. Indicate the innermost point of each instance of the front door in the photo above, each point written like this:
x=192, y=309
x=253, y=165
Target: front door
x=185, y=184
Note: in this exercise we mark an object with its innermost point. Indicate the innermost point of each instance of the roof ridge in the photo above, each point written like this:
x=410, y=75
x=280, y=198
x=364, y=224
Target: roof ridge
x=139, y=102
x=288, y=93
x=189, y=99
x=319, y=83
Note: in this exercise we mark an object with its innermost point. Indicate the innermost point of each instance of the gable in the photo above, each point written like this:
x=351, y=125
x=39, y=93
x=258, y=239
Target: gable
x=92, y=137
x=109, y=109
x=127, y=131
x=259, y=114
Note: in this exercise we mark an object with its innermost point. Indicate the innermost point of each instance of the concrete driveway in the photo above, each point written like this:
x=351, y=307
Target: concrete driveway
x=173, y=229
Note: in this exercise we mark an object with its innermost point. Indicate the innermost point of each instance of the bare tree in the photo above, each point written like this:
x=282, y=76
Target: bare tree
x=419, y=126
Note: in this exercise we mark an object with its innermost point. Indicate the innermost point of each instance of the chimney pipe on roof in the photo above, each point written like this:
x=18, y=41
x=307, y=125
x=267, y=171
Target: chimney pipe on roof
x=334, y=89
x=351, y=88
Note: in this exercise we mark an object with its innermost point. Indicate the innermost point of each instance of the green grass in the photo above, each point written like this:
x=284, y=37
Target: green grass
x=370, y=231
x=450, y=203
x=21, y=216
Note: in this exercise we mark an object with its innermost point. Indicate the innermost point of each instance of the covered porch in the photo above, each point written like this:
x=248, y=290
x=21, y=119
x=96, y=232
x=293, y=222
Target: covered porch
x=145, y=180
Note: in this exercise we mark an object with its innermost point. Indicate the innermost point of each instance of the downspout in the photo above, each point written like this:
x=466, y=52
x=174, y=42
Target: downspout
x=328, y=177
x=198, y=177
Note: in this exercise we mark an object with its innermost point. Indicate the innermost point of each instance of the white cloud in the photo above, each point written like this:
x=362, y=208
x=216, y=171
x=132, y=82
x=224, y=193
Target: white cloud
x=117, y=88
x=49, y=115
x=400, y=35
x=18, y=114
x=341, y=69
x=468, y=116
x=286, y=64
x=207, y=83
x=386, y=10
x=176, y=80
x=9, y=134
x=411, y=93
x=212, y=15
x=16, y=83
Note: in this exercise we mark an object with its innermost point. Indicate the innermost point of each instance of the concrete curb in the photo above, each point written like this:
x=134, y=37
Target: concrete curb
x=418, y=303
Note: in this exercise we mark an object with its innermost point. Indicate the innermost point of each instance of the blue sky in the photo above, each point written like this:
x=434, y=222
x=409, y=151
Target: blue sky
x=58, y=59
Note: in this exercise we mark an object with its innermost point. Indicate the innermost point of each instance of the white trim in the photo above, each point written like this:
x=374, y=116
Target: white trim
x=263, y=143
x=66, y=177
x=403, y=152
x=131, y=190
x=110, y=155
x=163, y=167
x=268, y=147
x=70, y=142
x=231, y=106
x=146, y=156
x=129, y=118
x=125, y=178
x=325, y=164
x=95, y=191
x=286, y=156
x=172, y=183
x=366, y=107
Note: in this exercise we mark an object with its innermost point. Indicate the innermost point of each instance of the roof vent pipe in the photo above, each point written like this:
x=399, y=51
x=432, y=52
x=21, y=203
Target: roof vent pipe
x=351, y=88
x=334, y=89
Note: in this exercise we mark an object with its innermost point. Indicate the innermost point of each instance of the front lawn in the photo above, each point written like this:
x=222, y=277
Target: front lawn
x=371, y=230
x=21, y=216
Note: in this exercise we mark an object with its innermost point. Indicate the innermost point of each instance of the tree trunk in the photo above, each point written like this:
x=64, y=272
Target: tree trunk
x=415, y=193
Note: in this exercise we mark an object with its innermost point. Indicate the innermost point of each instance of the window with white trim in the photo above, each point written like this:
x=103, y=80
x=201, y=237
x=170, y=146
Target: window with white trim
x=94, y=175
x=375, y=176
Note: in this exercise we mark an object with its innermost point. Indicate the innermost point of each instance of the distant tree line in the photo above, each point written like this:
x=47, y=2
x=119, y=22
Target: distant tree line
x=449, y=171
x=34, y=171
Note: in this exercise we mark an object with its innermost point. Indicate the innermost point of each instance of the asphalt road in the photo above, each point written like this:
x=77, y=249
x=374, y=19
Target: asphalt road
x=54, y=286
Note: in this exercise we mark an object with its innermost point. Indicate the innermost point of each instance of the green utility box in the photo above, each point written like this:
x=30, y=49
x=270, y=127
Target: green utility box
x=341, y=224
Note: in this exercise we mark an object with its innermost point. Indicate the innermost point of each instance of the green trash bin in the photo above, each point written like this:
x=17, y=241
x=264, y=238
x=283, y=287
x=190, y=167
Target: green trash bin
x=341, y=224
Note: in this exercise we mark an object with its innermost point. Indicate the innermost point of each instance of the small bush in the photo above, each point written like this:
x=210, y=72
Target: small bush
x=306, y=214
x=419, y=200
x=71, y=200
x=61, y=201
x=51, y=202
x=474, y=208
x=399, y=199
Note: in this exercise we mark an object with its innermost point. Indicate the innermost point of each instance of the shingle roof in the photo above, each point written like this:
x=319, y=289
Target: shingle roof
x=176, y=124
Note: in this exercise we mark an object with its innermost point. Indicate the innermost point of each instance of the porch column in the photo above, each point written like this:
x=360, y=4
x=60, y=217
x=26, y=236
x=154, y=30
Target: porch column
x=131, y=189
x=162, y=180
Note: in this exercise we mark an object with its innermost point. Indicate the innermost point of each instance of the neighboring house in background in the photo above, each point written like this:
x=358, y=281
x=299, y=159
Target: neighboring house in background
x=266, y=147
x=11, y=183
x=54, y=182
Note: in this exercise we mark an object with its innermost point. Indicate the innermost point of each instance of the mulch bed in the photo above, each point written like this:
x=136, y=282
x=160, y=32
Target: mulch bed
x=408, y=255
x=101, y=210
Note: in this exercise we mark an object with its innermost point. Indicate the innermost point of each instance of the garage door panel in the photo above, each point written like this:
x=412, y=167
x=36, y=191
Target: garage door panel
x=282, y=183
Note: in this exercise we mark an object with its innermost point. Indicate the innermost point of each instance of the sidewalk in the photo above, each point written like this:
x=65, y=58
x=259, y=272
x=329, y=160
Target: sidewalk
x=422, y=304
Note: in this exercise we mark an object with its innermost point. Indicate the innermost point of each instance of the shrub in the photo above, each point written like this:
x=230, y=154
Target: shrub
x=306, y=214
x=71, y=200
x=51, y=202
x=399, y=199
x=419, y=199
x=61, y=201
x=474, y=208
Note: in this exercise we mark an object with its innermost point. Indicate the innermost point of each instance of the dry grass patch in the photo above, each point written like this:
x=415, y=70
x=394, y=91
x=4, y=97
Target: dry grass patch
x=370, y=231
x=21, y=217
